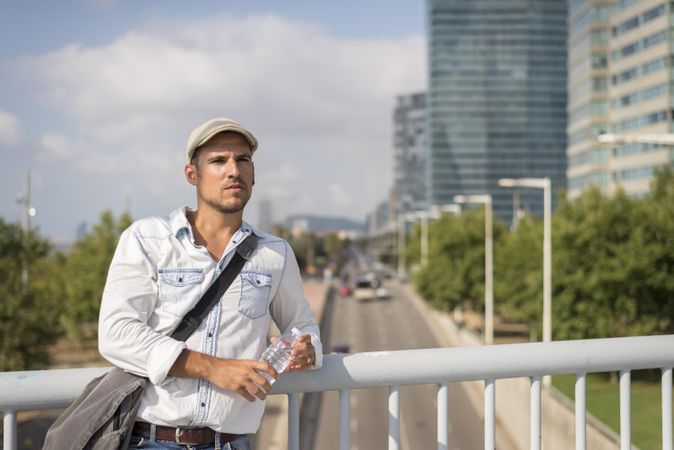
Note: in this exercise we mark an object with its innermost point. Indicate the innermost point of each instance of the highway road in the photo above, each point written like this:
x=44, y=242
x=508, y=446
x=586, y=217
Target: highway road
x=392, y=324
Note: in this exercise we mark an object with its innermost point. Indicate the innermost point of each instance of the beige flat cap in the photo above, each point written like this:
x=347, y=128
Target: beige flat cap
x=207, y=130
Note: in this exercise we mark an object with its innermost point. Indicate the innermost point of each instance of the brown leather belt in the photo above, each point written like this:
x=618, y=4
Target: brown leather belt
x=187, y=436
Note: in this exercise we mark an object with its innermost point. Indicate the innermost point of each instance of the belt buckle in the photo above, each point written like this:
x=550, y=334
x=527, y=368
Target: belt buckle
x=178, y=433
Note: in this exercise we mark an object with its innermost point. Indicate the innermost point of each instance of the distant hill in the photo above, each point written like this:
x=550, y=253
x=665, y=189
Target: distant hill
x=323, y=224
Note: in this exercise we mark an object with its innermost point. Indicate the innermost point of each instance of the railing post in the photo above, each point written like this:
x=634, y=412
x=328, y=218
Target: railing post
x=443, y=413
x=489, y=414
x=581, y=440
x=344, y=419
x=666, y=409
x=394, y=418
x=9, y=425
x=625, y=410
x=535, y=414
x=294, y=421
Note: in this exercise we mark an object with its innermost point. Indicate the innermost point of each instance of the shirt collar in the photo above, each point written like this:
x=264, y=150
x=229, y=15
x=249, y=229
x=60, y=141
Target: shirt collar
x=178, y=223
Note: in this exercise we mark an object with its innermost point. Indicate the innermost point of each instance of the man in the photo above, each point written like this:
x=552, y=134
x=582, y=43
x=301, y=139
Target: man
x=209, y=389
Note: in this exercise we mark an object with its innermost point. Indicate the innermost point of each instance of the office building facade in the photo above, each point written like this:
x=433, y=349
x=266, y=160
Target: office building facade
x=409, y=151
x=497, y=98
x=620, y=81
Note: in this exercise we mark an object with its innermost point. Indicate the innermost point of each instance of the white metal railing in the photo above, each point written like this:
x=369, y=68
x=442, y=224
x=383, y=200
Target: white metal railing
x=440, y=366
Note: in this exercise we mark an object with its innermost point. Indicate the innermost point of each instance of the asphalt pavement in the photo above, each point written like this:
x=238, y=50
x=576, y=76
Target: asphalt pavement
x=392, y=324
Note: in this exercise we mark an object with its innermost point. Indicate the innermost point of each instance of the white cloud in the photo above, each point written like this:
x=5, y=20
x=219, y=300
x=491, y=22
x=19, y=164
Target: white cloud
x=57, y=146
x=320, y=105
x=10, y=130
x=339, y=196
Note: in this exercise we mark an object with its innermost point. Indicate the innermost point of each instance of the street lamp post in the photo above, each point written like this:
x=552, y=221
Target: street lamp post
x=423, y=216
x=488, y=262
x=401, y=247
x=541, y=183
x=28, y=212
x=660, y=138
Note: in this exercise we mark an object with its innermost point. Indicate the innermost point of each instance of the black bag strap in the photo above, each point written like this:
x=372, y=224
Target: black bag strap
x=211, y=297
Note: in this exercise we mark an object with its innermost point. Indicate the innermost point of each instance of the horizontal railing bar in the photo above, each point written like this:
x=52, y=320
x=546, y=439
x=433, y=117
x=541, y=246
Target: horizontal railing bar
x=441, y=365
x=44, y=389
x=56, y=388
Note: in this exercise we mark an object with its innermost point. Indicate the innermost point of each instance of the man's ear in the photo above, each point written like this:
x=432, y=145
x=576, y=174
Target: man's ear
x=191, y=174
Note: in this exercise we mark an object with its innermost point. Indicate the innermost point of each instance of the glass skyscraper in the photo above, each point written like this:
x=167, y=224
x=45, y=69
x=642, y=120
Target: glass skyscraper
x=497, y=98
x=409, y=146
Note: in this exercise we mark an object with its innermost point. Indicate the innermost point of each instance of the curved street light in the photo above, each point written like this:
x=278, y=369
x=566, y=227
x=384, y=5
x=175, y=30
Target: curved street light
x=488, y=262
x=661, y=138
x=541, y=183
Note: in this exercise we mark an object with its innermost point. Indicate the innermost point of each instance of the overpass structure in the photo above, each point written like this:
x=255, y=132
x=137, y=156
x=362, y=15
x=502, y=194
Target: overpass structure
x=31, y=390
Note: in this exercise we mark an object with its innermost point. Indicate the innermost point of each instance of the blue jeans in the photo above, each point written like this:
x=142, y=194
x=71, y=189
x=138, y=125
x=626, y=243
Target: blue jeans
x=242, y=443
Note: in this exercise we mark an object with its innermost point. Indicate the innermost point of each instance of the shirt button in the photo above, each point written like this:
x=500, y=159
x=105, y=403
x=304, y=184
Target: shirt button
x=180, y=279
x=203, y=405
x=210, y=334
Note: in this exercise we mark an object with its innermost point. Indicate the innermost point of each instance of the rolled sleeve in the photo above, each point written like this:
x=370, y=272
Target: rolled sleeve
x=129, y=298
x=162, y=357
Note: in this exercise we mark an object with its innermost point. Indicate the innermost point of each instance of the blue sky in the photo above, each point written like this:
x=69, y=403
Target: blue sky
x=97, y=98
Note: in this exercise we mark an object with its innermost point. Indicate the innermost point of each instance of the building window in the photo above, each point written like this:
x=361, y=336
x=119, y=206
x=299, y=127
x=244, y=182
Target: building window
x=631, y=149
x=640, y=96
x=633, y=174
x=644, y=69
x=641, y=121
x=636, y=46
x=636, y=21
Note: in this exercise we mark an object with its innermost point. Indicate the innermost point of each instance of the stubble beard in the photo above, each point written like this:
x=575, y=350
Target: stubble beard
x=225, y=209
x=236, y=204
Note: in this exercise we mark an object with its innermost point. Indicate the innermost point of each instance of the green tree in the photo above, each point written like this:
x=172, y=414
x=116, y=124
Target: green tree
x=85, y=272
x=335, y=249
x=454, y=275
x=518, y=273
x=28, y=318
x=651, y=255
x=612, y=272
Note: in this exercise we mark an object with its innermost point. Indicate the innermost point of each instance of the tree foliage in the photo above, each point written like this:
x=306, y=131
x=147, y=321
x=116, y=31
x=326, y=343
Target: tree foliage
x=85, y=271
x=29, y=318
x=518, y=273
x=612, y=264
x=455, y=273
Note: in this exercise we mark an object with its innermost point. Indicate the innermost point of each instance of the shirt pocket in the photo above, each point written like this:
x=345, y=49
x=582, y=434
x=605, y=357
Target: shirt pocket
x=255, y=290
x=179, y=289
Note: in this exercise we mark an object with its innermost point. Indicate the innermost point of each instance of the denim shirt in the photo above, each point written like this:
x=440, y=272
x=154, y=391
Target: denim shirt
x=158, y=274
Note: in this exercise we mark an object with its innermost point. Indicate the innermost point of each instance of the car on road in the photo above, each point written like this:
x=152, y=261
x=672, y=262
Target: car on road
x=382, y=293
x=365, y=288
x=344, y=291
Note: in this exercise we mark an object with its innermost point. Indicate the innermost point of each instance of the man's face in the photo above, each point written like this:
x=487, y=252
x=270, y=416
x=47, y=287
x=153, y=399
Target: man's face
x=222, y=171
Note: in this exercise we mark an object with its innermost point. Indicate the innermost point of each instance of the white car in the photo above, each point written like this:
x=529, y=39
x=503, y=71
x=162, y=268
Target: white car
x=364, y=289
x=382, y=293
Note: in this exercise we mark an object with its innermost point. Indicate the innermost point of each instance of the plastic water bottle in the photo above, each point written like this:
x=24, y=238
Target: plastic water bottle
x=278, y=354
